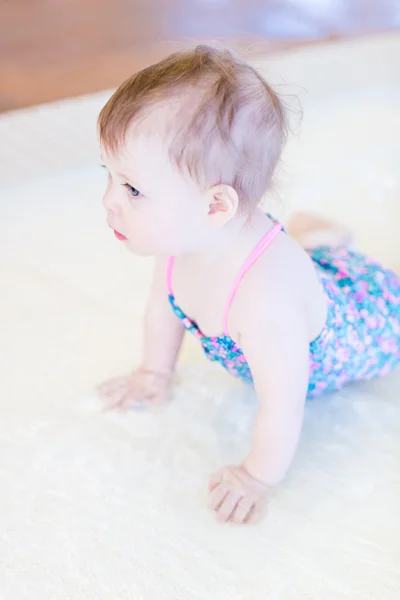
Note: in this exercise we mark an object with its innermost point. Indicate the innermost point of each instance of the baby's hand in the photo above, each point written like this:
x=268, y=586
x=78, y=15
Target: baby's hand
x=138, y=389
x=236, y=496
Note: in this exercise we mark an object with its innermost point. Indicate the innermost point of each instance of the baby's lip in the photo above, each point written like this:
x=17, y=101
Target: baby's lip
x=120, y=236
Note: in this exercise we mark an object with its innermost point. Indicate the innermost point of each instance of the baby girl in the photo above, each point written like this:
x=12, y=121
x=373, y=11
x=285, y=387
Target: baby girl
x=191, y=144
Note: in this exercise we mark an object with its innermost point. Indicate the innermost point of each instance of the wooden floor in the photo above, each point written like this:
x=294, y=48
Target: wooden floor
x=51, y=49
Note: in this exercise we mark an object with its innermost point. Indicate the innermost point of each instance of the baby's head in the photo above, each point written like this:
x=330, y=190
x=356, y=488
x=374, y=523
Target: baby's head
x=190, y=144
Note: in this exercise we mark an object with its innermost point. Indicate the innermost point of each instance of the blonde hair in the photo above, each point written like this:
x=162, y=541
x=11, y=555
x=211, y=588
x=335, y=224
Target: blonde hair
x=229, y=126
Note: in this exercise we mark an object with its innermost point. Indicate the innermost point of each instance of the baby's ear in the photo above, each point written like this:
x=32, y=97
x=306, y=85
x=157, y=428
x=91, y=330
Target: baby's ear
x=223, y=203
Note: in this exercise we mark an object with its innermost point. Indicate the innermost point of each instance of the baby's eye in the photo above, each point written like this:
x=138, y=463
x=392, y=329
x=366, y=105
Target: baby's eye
x=132, y=191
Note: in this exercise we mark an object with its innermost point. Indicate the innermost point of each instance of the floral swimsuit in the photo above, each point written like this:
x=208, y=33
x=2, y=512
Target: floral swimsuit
x=361, y=337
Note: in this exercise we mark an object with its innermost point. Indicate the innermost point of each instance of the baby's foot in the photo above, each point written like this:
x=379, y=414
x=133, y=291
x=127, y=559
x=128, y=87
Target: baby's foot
x=311, y=231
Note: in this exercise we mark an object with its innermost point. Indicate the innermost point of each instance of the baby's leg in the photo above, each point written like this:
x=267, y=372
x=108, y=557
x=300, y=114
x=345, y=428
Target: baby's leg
x=310, y=231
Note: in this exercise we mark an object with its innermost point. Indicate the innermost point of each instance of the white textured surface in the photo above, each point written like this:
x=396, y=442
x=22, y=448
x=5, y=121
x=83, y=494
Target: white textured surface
x=103, y=506
x=43, y=138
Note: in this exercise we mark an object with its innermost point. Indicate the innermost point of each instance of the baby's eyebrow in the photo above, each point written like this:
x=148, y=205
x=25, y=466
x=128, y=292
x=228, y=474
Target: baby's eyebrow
x=121, y=175
x=124, y=177
x=131, y=180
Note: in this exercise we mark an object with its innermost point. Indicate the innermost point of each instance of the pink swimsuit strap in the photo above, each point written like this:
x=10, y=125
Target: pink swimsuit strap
x=257, y=252
x=170, y=268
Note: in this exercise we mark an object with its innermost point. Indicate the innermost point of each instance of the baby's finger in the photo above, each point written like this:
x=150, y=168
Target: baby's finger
x=103, y=390
x=112, y=404
x=243, y=510
x=115, y=400
x=215, y=480
x=132, y=400
x=158, y=399
x=255, y=515
x=109, y=388
x=217, y=497
x=227, y=507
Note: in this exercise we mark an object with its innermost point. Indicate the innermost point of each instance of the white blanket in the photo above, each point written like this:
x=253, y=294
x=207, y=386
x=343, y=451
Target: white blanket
x=104, y=506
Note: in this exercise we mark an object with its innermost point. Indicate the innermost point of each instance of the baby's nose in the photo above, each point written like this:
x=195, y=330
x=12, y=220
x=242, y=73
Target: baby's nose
x=110, y=204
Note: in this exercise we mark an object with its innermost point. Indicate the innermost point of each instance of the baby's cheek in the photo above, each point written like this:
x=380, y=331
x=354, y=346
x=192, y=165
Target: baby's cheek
x=138, y=240
x=156, y=240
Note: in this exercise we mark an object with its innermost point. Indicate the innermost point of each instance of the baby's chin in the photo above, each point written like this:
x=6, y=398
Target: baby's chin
x=146, y=252
x=137, y=251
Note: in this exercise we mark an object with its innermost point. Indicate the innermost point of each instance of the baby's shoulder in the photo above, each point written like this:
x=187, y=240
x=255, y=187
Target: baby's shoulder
x=283, y=268
x=283, y=279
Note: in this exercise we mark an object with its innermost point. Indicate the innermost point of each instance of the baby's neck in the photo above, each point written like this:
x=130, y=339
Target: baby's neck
x=237, y=237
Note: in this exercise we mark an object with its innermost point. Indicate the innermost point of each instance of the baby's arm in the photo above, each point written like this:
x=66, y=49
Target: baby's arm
x=274, y=338
x=163, y=334
x=276, y=345
x=163, y=331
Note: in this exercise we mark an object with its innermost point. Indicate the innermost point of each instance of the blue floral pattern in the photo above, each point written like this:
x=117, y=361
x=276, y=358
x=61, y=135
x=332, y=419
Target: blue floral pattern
x=361, y=337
